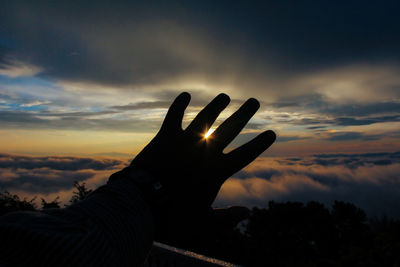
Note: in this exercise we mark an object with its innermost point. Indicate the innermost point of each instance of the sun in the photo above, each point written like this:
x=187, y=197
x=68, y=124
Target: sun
x=210, y=131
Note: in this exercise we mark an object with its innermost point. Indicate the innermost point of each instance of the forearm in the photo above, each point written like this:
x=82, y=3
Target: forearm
x=113, y=226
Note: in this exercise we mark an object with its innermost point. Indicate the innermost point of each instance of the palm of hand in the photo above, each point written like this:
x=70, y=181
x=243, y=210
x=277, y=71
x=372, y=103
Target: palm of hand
x=185, y=167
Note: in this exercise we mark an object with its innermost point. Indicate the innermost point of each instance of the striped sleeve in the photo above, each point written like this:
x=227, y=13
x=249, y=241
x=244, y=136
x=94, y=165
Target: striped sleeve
x=112, y=227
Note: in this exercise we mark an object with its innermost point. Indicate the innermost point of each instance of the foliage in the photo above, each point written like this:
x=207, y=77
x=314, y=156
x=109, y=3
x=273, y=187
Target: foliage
x=10, y=203
x=81, y=192
x=55, y=204
x=282, y=234
x=297, y=234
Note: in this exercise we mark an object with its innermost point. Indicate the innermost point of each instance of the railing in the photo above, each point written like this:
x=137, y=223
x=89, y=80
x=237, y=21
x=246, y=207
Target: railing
x=164, y=255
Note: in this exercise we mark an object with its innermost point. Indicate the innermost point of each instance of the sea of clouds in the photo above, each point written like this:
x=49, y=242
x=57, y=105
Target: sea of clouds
x=371, y=181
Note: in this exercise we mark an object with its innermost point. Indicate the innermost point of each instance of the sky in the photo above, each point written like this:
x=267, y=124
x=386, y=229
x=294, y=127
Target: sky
x=84, y=85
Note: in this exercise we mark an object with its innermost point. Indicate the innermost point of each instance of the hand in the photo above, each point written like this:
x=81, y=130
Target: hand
x=192, y=168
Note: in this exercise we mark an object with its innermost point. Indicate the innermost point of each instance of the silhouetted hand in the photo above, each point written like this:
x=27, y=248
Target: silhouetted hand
x=191, y=168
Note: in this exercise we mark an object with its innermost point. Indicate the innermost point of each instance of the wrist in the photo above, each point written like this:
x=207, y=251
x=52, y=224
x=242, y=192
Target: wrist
x=151, y=189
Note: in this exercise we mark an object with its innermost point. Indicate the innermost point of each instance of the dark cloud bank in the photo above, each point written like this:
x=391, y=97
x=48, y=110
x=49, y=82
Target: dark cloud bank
x=335, y=114
x=137, y=43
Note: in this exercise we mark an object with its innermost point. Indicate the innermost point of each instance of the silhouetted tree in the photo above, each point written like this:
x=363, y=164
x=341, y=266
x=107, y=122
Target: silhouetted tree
x=282, y=234
x=80, y=193
x=10, y=202
x=55, y=204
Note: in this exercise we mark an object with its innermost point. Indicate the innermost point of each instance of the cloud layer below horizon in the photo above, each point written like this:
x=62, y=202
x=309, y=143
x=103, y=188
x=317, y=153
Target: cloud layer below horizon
x=371, y=181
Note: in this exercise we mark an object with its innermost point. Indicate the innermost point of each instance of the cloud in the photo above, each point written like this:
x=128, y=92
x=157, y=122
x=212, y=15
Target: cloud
x=35, y=103
x=198, y=100
x=49, y=175
x=78, y=121
x=364, y=155
x=42, y=181
x=315, y=127
x=16, y=69
x=282, y=138
x=348, y=136
x=77, y=114
x=350, y=161
x=144, y=105
x=387, y=107
x=352, y=121
x=141, y=116
x=369, y=180
x=318, y=109
x=136, y=48
x=340, y=121
x=57, y=163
